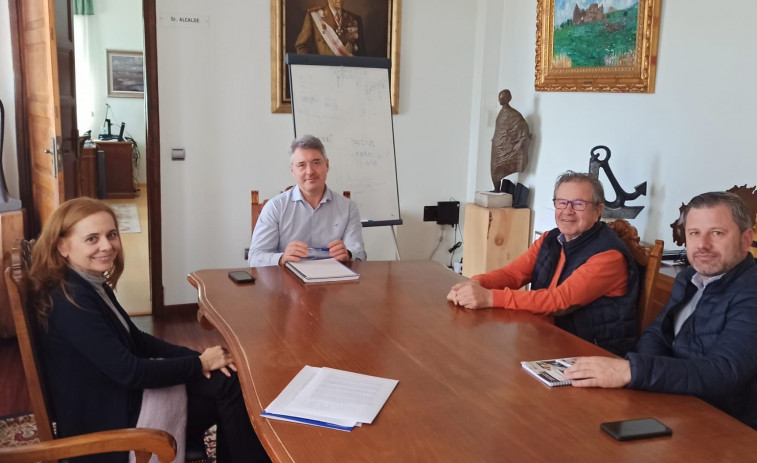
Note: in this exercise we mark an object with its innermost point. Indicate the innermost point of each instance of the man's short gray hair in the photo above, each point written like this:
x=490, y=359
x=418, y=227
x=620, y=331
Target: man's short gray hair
x=307, y=142
x=598, y=192
x=739, y=211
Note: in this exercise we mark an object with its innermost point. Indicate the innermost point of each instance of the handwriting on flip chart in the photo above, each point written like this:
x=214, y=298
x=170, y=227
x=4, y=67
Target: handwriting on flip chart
x=349, y=109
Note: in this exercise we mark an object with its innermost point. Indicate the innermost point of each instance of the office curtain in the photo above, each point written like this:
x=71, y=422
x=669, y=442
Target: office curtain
x=84, y=7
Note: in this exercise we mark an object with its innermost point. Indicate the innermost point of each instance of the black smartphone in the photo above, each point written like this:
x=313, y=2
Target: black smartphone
x=241, y=277
x=636, y=429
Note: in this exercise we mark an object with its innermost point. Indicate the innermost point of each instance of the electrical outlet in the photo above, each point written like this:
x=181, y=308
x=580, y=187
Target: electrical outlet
x=429, y=213
x=178, y=154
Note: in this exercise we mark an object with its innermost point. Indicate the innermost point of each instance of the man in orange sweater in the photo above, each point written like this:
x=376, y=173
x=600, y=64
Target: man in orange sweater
x=580, y=272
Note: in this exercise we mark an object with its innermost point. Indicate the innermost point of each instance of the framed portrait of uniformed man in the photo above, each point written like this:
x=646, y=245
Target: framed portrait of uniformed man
x=332, y=27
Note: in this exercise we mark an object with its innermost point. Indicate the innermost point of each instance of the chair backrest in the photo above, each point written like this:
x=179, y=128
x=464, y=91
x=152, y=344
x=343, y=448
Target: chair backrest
x=256, y=206
x=144, y=442
x=649, y=259
x=25, y=320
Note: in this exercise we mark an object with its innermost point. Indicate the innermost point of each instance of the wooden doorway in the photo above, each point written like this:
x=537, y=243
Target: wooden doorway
x=40, y=99
x=29, y=159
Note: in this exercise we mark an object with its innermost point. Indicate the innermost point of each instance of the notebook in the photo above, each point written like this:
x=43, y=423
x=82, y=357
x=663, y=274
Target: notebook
x=322, y=270
x=550, y=372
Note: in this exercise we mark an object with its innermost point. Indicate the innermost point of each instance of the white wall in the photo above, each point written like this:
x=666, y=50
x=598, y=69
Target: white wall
x=7, y=95
x=694, y=134
x=116, y=25
x=215, y=102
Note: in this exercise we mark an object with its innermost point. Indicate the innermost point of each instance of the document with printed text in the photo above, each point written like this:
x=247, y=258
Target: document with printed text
x=331, y=398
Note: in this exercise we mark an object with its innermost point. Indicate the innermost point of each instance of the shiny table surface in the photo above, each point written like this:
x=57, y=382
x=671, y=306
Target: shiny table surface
x=462, y=394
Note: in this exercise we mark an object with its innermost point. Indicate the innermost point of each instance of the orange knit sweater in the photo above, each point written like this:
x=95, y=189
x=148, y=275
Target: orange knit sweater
x=604, y=274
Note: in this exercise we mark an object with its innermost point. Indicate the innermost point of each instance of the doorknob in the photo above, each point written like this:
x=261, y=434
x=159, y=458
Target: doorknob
x=54, y=152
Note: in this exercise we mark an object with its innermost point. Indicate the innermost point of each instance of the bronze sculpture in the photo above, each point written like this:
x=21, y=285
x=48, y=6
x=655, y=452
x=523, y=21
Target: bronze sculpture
x=510, y=142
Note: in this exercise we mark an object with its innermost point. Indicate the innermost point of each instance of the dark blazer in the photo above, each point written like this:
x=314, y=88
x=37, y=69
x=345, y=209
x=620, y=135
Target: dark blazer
x=95, y=370
x=714, y=355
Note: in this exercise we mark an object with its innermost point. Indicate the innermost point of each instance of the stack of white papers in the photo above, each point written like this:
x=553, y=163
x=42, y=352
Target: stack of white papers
x=322, y=270
x=331, y=398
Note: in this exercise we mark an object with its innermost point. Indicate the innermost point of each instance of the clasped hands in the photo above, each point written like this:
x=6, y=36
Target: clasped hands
x=297, y=250
x=217, y=358
x=471, y=295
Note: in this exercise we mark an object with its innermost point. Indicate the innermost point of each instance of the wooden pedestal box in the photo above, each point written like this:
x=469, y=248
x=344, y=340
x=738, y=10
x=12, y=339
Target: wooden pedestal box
x=493, y=237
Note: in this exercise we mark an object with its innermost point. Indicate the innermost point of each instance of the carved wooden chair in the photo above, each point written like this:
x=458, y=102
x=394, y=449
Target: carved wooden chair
x=652, y=296
x=144, y=442
x=256, y=206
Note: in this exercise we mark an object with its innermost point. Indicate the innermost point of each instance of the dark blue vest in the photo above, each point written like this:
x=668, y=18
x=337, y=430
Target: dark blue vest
x=609, y=322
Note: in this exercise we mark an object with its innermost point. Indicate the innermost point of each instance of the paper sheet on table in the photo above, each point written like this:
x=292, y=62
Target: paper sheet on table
x=344, y=395
x=280, y=405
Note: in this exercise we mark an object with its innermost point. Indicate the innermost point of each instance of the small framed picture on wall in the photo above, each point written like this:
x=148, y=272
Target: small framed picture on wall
x=126, y=74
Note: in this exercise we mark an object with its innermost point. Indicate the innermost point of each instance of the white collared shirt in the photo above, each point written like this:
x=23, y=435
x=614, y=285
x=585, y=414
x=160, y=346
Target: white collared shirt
x=288, y=217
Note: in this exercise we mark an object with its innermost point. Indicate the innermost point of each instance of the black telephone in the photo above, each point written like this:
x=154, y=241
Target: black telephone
x=241, y=277
x=110, y=135
x=636, y=429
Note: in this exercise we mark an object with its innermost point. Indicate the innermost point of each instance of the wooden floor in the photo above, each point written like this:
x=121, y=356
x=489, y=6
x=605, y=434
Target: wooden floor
x=178, y=327
x=133, y=289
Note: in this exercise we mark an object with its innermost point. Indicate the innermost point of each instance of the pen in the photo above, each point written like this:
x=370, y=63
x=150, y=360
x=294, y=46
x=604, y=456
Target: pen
x=319, y=249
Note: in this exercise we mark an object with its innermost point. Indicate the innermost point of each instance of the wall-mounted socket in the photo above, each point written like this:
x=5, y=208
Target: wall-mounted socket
x=177, y=154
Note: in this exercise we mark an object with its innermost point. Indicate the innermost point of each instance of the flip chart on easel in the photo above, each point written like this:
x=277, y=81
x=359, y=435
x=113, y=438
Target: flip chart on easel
x=346, y=102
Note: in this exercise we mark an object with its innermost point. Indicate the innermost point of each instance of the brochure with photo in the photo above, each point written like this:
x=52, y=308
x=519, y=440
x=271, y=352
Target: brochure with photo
x=550, y=372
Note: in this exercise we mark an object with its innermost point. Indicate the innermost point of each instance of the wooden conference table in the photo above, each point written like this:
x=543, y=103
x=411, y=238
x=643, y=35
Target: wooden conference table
x=462, y=394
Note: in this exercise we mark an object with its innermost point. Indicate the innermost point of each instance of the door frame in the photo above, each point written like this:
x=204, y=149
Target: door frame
x=152, y=160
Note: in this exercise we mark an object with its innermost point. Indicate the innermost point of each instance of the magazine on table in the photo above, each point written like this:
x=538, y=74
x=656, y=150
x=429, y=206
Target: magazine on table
x=550, y=372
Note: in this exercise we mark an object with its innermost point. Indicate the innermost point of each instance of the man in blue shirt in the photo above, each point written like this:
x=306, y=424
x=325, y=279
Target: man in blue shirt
x=703, y=343
x=308, y=219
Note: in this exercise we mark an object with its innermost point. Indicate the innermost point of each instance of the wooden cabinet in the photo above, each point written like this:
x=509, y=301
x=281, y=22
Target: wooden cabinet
x=106, y=170
x=88, y=172
x=493, y=237
x=118, y=167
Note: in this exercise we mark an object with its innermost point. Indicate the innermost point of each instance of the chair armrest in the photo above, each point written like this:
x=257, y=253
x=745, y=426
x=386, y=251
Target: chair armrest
x=143, y=441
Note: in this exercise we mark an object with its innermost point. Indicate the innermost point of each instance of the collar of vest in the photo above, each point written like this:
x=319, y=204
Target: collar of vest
x=578, y=241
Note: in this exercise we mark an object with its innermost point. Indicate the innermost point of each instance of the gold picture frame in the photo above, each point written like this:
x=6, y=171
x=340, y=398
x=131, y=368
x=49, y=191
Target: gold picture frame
x=126, y=74
x=624, y=59
x=374, y=15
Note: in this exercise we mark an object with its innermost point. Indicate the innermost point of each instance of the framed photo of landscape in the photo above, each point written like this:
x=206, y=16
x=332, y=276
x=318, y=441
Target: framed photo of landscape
x=584, y=46
x=126, y=75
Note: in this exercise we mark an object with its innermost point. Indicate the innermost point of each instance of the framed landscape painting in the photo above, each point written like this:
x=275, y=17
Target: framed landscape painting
x=126, y=76
x=597, y=46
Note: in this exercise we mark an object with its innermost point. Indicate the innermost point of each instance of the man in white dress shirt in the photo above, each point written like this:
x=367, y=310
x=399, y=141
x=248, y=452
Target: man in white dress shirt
x=308, y=220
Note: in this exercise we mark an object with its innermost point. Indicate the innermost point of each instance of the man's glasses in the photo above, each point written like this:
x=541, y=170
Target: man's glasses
x=577, y=204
